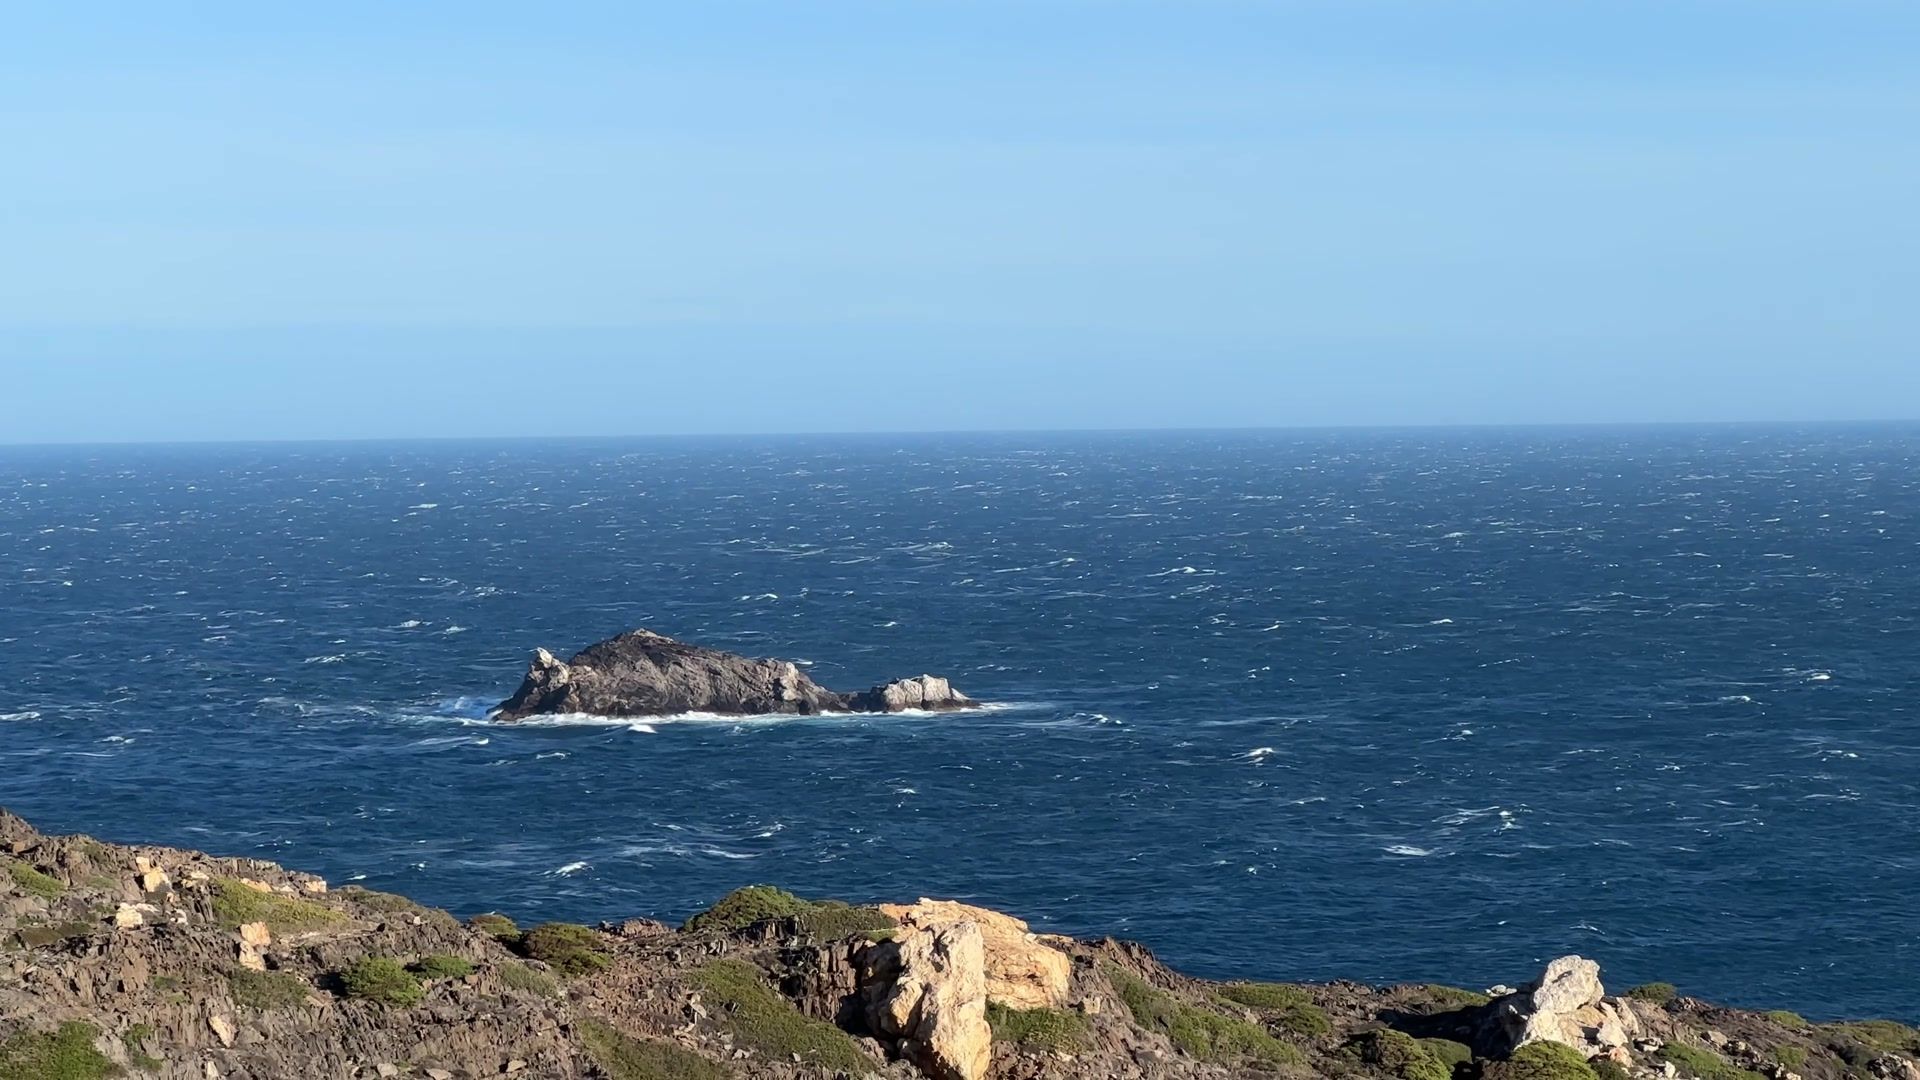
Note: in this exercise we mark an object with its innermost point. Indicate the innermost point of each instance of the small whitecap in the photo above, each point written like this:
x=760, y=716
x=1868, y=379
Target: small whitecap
x=1259, y=752
x=569, y=870
x=454, y=630
x=1407, y=851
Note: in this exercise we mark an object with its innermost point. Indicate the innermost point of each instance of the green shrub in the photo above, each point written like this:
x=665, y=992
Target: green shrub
x=760, y=1019
x=235, y=903
x=1655, y=993
x=625, y=1058
x=1447, y=1052
x=1542, y=1061
x=1288, y=1008
x=1454, y=997
x=1790, y=1020
x=1880, y=1035
x=498, y=927
x=828, y=920
x=1197, y=1032
x=1704, y=1064
x=41, y=936
x=519, y=976
x=1791, y=1055
x=1053, y=1030
x=568, y=948
x=374, y=900
x=44, y=886
x=831, y=920
x=381, y=979
x=742, y=908
x=1609, y=1069
x=134, y=1038
x=1257, y=995
x=266, y=989
x=66, y=1054
x=1397, y=1053
x=441, y=966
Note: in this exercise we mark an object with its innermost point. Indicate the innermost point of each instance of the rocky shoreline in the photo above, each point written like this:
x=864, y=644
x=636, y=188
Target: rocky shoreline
x=171, y=964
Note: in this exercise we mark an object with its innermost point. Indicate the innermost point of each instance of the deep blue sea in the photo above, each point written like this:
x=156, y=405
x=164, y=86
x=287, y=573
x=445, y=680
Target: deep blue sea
x=1429, y=705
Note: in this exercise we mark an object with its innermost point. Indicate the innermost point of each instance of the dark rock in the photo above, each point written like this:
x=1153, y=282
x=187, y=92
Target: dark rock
x=641, y=673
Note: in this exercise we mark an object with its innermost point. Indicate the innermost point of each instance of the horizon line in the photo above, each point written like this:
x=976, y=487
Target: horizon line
x=1549, y=425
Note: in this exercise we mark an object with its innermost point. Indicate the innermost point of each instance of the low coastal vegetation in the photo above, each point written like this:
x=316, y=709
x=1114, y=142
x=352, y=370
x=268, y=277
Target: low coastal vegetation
x=265, y=990
x=1396, y=1054
x=64, y=1054
x=441, y=966
x=1542, y=1061
x=44, y=886
x=237, y=902
x=1052, y=1030
x=568, y=948
x=496, y=926
x=1704, y=1064
x=764, y=1021
x=382, y=980
x=1286, y=1007
x=1654, y=993
x=519, y=976
x=1199, y=1032
x=826, y=920
x=623, y=1057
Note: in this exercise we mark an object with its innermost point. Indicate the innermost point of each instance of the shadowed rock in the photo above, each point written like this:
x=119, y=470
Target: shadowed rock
x=641, y=673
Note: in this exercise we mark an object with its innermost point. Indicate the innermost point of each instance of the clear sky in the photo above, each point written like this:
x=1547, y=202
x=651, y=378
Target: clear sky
x=352, y=219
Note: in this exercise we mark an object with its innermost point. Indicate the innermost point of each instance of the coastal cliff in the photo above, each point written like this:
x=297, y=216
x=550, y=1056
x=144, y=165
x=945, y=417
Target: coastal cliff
x=163, y=963
x=641, y=673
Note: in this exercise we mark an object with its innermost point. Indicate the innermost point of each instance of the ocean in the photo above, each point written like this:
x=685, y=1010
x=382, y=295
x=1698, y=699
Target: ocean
x=1427, y=705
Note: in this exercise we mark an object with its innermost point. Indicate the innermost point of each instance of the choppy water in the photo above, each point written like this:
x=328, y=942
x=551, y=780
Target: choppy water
x=1431, y=705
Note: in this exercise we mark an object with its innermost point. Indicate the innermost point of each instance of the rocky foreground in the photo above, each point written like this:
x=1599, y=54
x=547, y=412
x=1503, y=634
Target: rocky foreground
x=641, y=673
x=153, y=962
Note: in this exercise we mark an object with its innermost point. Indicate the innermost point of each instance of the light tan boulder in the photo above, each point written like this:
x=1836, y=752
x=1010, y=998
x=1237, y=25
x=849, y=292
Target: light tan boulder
x=1022, y=971
x=1568, y=1005
x=930, y=994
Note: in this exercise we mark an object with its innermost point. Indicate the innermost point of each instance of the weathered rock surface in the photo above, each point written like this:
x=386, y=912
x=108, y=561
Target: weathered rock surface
x=930, y=997
x=1568, y=1005
x=1022, y=971
x=234, y=970
x=641, y=673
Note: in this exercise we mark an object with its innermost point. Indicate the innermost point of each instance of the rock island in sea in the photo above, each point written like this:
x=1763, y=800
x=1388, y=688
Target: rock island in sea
x=641, y=673
x=155, y=962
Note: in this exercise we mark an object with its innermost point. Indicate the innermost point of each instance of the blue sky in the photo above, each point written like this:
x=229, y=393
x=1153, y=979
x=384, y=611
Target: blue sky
x=363, y=220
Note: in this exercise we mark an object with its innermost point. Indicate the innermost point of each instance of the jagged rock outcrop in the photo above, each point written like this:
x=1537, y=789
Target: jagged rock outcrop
x=641, y=673
x=1568, y=1005
x=929, y=995
x=1023, y=972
